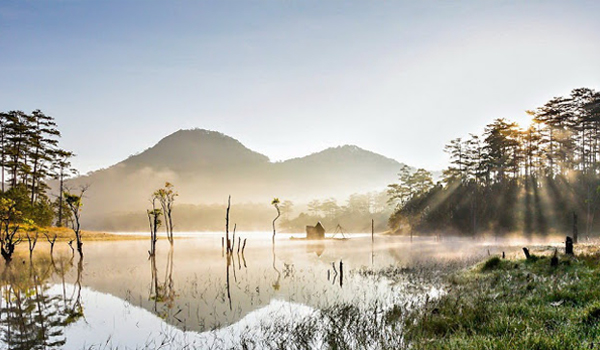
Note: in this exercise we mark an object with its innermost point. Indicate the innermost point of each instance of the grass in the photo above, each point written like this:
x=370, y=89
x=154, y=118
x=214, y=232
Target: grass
x=66, y=234
x=507, y=304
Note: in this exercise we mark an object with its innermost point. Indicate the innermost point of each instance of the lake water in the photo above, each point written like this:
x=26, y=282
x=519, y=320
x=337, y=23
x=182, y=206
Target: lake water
x=195, y=295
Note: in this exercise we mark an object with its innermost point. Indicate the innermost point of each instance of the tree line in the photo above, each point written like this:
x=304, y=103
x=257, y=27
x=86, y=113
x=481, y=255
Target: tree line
x=29, y=157
x=537, y=179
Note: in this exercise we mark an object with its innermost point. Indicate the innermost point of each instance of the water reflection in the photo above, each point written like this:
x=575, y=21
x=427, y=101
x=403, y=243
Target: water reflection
x=198, y=289
x=162, y=292
x=30, y=317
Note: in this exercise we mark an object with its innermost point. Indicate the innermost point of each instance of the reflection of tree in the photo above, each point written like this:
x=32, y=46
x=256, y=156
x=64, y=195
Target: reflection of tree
x=29, y=317
x=229, y=258
x=162, y=292
x=276, y=285
x=75, y=310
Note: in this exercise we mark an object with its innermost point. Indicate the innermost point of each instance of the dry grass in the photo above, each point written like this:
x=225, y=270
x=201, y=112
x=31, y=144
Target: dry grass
x=66, y=234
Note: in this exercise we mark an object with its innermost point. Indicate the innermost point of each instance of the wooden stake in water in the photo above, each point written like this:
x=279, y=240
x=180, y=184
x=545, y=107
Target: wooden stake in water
x=233, y=239
x=372, y=230
x=341, y=273
x=227, y=224
x=372, y=240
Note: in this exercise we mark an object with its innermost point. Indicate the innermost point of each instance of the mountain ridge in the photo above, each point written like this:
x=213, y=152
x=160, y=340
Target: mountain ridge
x=207, y=166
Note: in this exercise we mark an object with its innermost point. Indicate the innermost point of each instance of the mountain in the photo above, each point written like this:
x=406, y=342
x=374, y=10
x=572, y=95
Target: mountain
x=207, y=166
x=187, y=151
x=336, y=172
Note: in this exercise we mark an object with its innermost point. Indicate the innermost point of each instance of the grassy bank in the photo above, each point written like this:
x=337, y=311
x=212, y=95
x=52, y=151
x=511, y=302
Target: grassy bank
x=515, y=304
x=66, y=234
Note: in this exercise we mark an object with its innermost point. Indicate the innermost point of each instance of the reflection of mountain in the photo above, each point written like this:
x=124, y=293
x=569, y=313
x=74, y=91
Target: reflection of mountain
x=120, y=297
x=207, y=166
x=112, y=320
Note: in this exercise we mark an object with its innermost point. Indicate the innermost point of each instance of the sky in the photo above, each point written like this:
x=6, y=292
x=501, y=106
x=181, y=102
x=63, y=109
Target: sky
x=289, y=78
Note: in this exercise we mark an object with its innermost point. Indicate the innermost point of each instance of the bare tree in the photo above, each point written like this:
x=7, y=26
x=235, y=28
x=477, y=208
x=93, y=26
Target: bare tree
x=154, y=222
x=166, y=197
x=51, y=241
x=275, y=203
x=74, y=202
x=32, y=240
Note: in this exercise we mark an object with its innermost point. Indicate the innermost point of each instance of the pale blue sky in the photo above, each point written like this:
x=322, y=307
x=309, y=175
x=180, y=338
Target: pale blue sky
x=288, y=78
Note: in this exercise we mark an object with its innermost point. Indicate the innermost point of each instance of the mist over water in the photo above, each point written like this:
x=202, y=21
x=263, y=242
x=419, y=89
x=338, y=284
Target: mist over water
x=196, y=288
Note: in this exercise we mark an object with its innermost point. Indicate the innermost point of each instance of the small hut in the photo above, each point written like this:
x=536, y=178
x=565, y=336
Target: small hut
x=315, y=232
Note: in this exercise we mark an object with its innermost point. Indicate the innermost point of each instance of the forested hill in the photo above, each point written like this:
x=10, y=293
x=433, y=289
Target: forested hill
x=538, y=179
x=207, y=166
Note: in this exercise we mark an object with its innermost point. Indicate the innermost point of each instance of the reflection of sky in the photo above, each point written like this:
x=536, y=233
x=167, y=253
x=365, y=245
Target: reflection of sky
x=327, y=69
x=303, y=273
x=116, y=279
x=111, y=321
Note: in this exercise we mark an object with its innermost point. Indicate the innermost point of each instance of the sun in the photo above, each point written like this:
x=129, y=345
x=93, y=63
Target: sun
x=525, y=121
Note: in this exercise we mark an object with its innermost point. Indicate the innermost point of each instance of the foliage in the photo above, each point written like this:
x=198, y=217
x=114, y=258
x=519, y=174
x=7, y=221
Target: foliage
x=353, y=216
x=512, y=179
x=10, y=220
x=29, y=157
x=410, y=185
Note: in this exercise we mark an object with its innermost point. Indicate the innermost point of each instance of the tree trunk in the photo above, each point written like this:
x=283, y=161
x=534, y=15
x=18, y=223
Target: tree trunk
x=526, y=252
x=575, y=231
x=569, y=246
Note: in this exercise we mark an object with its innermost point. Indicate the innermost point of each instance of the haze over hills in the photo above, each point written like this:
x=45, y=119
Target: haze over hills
x=207, y=166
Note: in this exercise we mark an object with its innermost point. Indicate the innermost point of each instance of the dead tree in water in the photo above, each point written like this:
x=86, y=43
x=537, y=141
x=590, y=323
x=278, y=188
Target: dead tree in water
x=233, y=239
x=275, y=203
x=51, y=241
x=32, y=242
x=154, y=223
x=75, y=205
x=227, y=225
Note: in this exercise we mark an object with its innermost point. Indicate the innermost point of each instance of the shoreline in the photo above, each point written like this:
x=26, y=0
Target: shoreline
x=64, y=234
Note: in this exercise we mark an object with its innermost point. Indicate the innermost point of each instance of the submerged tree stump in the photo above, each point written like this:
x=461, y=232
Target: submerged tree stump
x=569, y=246
x=527, y=255
x=554, y=260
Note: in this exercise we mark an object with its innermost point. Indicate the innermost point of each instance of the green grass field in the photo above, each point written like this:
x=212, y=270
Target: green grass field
x=515, y=304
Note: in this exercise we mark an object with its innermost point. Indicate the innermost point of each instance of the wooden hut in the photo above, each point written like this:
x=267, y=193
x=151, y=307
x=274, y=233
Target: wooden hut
x=315, y=232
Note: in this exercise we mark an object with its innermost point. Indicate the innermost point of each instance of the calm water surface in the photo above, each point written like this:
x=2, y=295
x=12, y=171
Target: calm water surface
x=116, y=297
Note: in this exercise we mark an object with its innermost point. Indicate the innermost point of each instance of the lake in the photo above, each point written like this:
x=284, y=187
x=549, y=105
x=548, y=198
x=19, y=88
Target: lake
x=198, y=296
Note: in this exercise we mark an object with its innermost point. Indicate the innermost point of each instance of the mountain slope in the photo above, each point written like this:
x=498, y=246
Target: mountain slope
x=207, y=166
x=196, y=149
